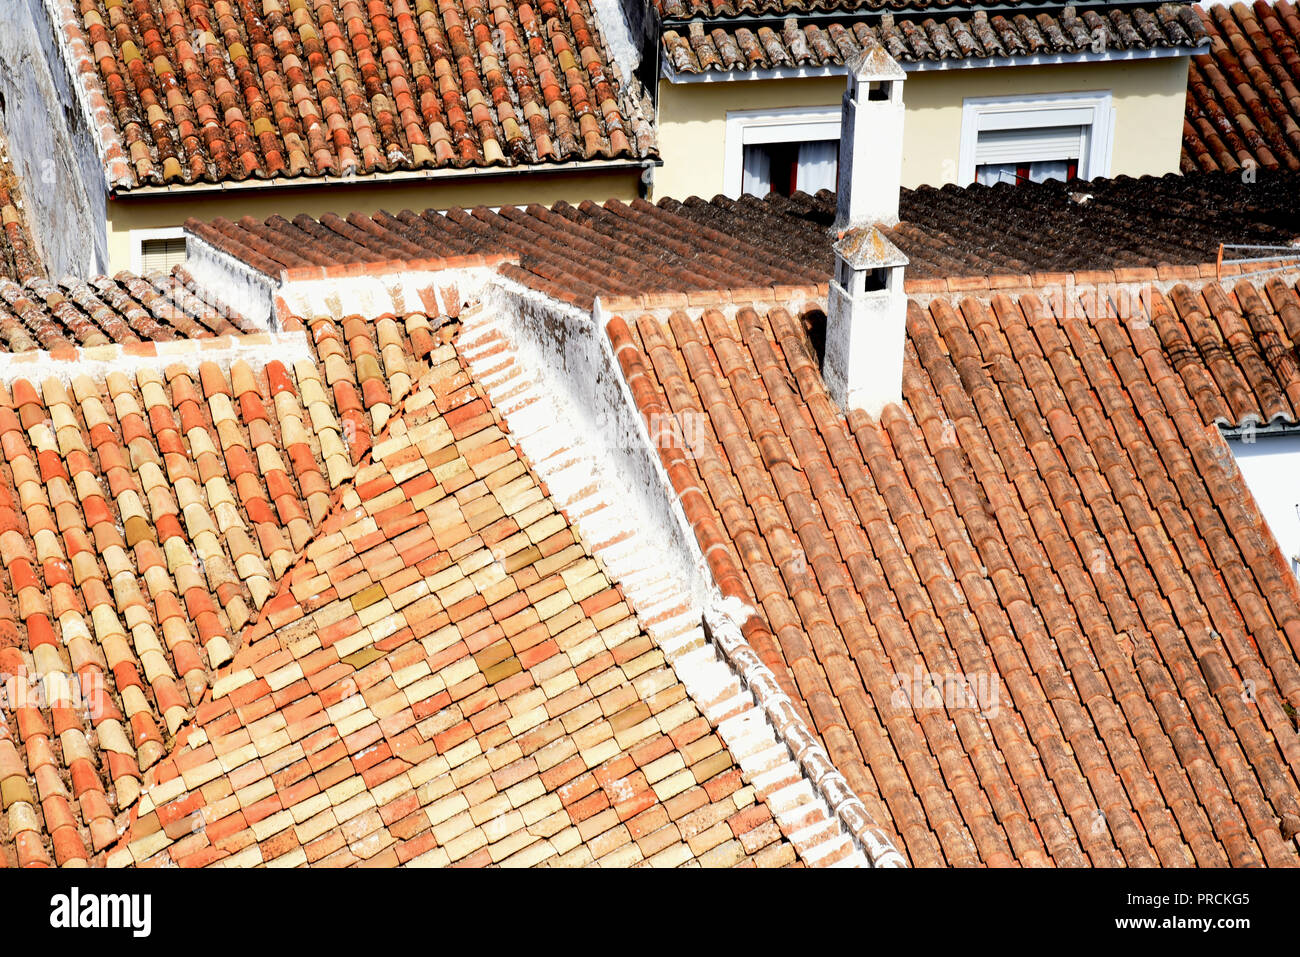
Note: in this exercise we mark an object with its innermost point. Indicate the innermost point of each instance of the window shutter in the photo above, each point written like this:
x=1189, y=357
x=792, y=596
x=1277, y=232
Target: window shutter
x=1032, y=145
x=160, y=255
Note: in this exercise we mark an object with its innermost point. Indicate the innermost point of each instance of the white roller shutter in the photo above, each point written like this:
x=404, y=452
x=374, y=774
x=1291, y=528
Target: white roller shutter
x=1032, y=145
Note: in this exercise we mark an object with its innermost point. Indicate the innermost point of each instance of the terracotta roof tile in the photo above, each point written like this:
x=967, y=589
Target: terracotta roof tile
x=915, y=38
x=147, y=517
x=38, y=314
x=1243, y=101
x=183, y=93
x=18, y=258
x=321, y=612
x=1020, y=606
x=468, y=703
x=742, y=248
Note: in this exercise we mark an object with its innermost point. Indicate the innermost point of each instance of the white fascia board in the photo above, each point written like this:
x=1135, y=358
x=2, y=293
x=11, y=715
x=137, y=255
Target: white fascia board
x=922, y=66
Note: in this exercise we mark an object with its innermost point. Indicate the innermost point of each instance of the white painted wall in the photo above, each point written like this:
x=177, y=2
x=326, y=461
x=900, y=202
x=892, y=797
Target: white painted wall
x=51, y=145
x=1271, y=467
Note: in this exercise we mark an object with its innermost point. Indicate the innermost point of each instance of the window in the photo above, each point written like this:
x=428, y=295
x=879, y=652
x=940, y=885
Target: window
x=1017, y=140
x=781, y=150
x=157, y=250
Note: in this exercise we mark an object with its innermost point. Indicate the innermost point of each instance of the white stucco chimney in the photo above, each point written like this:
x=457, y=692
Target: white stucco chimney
x=867, y=316
x=871, y=141
x=866, y=322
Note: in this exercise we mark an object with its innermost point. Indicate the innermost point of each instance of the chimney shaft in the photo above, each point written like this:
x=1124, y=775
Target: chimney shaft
x=866, y=323
x=867, y=316
x=871, y=141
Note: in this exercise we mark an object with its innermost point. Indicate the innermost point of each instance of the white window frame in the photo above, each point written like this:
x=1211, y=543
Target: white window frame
x=140, y=236
x=798, y=124
x=1091, y=109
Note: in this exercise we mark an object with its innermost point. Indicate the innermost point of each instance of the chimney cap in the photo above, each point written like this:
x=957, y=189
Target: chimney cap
x=865, y=247
x=872, y=62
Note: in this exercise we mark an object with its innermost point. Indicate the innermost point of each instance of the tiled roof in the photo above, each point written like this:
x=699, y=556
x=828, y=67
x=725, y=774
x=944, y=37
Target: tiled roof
x=127, y=309
x=446, y=676
x=1237, y=354
x=978, y=35
x=576, y=253
x=681, y=9
x=18, y=259
x=194, y=93
x=320, y=611
x=1033, y=611
x=146, y=517
x=1243, y=96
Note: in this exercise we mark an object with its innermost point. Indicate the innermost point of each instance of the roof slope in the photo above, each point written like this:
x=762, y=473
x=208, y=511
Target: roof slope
x=146, y=517
x=1237, y=354
x=42, y=315
x=1243, y=96
x=921, y=39
x=576, y=253
x=322, y=612
x=1034, y=612
x=447, y=676
x=675, y=9
x=1032, y=228
x=194, y=93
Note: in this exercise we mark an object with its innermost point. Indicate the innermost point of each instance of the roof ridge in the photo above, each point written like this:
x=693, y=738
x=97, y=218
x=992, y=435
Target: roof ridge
x=735, y=690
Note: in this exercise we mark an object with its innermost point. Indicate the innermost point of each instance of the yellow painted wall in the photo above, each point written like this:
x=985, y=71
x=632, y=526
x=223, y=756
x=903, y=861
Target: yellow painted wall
x=172, y=209
x=1148, y=97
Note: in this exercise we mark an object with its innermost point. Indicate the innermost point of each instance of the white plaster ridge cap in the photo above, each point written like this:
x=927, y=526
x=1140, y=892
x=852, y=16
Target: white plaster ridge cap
x=794, y=733
x=731, y=656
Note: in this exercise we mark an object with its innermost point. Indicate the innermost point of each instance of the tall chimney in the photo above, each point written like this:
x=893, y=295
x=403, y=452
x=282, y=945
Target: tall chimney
x=871, y=141
x=866, y=320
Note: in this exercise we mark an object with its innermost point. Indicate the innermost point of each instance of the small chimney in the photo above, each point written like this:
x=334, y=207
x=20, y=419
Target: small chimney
x=866, y=323
x=871, y=141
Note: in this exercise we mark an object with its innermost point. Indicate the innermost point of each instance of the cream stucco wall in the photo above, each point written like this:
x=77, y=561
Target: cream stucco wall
x=1147, y=95
x=162, y=211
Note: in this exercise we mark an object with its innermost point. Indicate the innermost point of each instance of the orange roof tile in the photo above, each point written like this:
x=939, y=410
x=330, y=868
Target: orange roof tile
x=1033, y=611
x=445, y=676
x=321, y=612
x=147, y=517
x=184, y=93
x=1243, y=96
